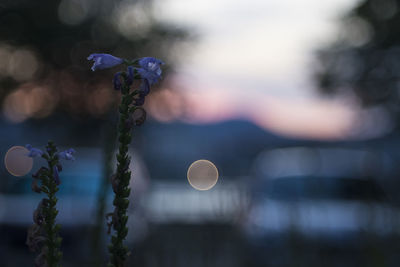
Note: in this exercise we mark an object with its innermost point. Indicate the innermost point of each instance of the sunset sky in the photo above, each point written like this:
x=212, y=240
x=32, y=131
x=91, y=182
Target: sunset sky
x=254, y=60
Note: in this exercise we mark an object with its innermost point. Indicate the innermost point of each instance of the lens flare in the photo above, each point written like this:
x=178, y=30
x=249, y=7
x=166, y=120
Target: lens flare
x=202, y=175
x=17, y=162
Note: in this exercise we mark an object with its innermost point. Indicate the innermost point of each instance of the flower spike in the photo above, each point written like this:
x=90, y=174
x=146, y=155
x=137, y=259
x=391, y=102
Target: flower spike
x=43, y=236
x=148, y=71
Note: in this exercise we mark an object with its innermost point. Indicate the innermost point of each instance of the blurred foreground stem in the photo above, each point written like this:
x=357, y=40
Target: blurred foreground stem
x=97, y=235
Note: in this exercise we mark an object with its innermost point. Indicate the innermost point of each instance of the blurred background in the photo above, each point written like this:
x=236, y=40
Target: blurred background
x=295, y=105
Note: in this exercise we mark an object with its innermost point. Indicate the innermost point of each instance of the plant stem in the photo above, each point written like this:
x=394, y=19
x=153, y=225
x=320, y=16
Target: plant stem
x=121, y=181
x=53, y=241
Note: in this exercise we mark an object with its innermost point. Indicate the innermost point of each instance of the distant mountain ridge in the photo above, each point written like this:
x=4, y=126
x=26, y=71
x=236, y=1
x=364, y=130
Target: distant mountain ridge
x=231, y=145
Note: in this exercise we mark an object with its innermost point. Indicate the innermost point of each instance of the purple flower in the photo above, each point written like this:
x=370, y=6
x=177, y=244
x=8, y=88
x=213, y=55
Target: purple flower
x=56, y=175
x=67, y=154
x=117, y=81
x=38, y=216
x=145, y=87
x=104, y=61
x=33, y=152
x=150, y=69
x=130, y=75
x=140, y=101
x=34, y=238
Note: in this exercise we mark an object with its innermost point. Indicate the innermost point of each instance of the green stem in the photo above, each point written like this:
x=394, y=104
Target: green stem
x=117, y=249
x=53, y=241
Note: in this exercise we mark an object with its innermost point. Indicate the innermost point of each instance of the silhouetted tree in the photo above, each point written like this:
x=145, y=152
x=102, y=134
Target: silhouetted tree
x=62, y=33
x=365, y=59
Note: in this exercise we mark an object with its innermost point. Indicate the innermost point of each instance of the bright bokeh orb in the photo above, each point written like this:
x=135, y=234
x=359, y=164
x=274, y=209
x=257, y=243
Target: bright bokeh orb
x=17, y=162
x=202, y=174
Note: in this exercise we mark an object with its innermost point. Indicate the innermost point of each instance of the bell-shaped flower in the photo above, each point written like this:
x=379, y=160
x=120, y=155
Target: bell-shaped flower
x=130, y=75
x=33, y=152
x=35, y=238
x=38, y=216
x=104, y=61
x=67, y=154
x=145, y=87
x=117, y=81
x=140, y=100
x=56, y=175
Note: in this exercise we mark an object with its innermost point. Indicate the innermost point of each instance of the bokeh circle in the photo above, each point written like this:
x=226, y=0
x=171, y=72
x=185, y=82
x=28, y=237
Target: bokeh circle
x=17, y=162
x=202, y=174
